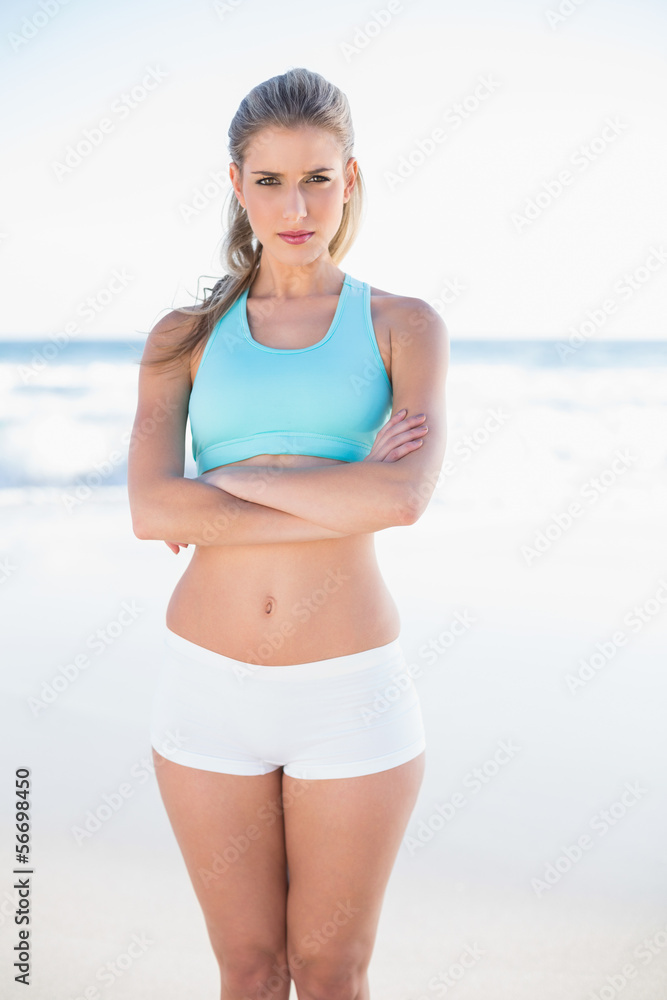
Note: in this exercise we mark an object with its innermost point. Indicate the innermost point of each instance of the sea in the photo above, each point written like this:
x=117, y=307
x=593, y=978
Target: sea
x=528, y=420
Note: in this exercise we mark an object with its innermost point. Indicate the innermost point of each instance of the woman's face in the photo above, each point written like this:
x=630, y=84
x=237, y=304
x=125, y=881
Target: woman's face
x=293, y=179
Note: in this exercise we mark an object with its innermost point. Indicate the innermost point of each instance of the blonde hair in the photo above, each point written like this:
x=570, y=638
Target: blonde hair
x=297, y=98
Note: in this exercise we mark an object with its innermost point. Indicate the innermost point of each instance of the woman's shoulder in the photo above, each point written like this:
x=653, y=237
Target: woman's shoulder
x=176, y=322
x=398, y=310
x=168, y=336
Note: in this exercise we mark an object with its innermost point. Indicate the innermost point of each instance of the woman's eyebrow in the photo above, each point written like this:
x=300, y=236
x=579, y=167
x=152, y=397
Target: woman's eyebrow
x=273, y=173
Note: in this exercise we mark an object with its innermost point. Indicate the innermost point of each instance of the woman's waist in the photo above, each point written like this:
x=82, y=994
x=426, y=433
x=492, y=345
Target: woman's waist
x=285, y=567
x=305, y=611
x=311, y=629
x=263, y=588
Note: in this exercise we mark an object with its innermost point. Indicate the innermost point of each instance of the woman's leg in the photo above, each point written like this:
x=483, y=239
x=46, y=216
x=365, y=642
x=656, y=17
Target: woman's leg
x=342, y=837
x=230, y=832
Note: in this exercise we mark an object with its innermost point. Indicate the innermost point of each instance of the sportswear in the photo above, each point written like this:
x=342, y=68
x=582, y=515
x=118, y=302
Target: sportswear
x=329, y=399
x=339, y=717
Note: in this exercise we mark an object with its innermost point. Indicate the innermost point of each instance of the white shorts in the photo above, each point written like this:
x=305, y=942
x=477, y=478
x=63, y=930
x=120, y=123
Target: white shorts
x=334, y=718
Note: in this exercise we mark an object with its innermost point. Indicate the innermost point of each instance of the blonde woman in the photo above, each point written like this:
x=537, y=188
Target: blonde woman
x=286, y=730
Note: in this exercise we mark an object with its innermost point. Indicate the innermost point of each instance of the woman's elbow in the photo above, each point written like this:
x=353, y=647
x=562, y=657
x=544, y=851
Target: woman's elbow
x=402, y=510
x=142, y=513
x=149, y=503
x=141, y=527
x=415, y=499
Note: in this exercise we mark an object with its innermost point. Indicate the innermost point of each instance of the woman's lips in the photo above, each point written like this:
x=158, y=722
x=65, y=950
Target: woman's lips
x=295, y=237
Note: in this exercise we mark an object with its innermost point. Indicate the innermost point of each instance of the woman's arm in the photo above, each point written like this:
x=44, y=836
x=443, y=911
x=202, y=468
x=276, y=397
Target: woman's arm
x=164, y=504
x=370, y=495
x=259, y=523
x=254, y=523
x=218, y=518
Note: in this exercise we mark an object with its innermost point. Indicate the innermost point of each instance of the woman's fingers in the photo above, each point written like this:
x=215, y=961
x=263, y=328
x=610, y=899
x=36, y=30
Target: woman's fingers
x=399, y=425
x=393, y=438
x=412, y=434
x=392, y=452
x=405, y=430
x=407, y=421
x=402, y=449
x=177, y=546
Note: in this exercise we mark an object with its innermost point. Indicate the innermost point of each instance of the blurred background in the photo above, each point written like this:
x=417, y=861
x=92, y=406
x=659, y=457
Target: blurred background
x=514, y=157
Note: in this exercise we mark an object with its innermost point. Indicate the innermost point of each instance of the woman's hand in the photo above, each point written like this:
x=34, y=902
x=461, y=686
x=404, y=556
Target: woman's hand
x=399, y=436
x=213, y=477
x=176, y=546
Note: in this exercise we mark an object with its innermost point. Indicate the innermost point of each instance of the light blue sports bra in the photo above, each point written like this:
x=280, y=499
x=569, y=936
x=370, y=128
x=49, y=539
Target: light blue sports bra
x=328, y=400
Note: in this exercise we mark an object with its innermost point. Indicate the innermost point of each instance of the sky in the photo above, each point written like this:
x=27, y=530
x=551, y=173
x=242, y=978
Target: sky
x=514, y=156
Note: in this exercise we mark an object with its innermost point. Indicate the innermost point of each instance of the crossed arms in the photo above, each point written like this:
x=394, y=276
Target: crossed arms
x=238, y=505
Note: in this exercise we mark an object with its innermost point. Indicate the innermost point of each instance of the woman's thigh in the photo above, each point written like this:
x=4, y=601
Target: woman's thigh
x=342, y=836
x=230, y=831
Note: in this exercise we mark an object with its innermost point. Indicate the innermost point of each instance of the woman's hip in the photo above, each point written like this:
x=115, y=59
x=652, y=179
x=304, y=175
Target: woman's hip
x=343, y=709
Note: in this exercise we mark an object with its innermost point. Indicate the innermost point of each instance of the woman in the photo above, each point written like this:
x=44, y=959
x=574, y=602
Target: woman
x=280, y=763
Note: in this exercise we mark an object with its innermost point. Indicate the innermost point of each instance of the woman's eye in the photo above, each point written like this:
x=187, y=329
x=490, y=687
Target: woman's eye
x=317, y=177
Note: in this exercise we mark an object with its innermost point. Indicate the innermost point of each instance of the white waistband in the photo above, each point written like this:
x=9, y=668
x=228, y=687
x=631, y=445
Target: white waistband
x=390, y=654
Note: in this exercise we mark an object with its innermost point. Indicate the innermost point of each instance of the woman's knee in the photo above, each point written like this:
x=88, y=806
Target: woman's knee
x=334, y=977
x=254, y=972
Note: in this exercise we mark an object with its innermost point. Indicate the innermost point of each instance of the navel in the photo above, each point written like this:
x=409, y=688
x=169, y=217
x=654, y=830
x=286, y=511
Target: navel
x=269, y=605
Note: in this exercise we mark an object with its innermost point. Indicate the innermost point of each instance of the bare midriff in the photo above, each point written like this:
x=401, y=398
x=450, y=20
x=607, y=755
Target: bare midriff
x=288, y=602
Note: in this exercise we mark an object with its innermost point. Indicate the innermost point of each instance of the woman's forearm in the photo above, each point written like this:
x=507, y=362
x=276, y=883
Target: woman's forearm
x=189, y=510
x=351, y=497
